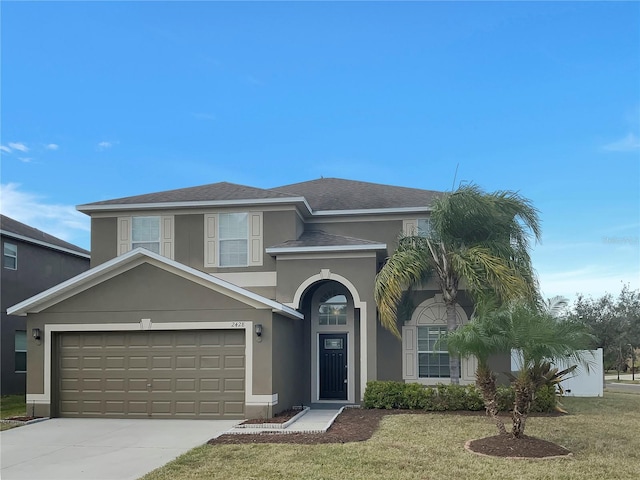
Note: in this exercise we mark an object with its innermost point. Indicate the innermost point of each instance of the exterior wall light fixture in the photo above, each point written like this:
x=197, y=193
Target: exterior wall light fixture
x=35, y=332
x=258, y=329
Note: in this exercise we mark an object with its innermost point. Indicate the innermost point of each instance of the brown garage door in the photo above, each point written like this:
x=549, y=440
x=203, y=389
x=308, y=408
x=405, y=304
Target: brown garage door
x=160, y=374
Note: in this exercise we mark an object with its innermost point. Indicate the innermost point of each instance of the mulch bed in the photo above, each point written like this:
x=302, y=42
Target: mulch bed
x=358, y=425
x=21, y=418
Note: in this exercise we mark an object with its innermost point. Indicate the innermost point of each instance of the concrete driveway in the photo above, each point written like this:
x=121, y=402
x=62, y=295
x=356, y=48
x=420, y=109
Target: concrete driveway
x=99, y=449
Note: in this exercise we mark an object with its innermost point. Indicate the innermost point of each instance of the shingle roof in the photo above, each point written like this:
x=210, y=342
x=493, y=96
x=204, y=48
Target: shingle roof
x=10, y=226
x=324, y=194
x=204, y=193
x=318, y=238
x=339, y=194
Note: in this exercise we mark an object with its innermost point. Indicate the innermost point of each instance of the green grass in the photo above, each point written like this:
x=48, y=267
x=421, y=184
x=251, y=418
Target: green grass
x=11, y=406
x=603, y=434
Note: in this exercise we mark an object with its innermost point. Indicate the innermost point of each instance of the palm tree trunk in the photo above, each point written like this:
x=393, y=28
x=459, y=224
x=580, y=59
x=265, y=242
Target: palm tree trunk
x=524, y=390
x=486, y=383
x=454, y=360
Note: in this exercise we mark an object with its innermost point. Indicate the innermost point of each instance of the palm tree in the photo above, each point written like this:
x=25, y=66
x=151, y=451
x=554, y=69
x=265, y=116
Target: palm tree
x=480, y=237
x=481, y=339
x=539, y=338
x=556, y=306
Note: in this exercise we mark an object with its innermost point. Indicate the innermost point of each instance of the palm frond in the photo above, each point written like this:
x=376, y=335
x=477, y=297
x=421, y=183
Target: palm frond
x=410, y=264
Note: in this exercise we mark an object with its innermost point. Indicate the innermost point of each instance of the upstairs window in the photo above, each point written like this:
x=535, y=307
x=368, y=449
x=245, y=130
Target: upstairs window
x=234, y=239
x=418, y=226
x=145, y=233
x=424, y=227
x=155, y=233
x=10, y=256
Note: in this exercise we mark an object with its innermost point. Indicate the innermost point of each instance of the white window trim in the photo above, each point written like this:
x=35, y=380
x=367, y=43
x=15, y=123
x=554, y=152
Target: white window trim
x=125, y=237
x=255, y=250
x=431, y=312
x=4, y=255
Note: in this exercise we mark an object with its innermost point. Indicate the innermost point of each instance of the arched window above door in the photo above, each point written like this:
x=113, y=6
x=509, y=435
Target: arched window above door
x=332, y=309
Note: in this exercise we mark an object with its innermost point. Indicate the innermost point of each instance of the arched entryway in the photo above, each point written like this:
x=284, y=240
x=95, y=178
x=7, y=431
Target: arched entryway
x=333, y=317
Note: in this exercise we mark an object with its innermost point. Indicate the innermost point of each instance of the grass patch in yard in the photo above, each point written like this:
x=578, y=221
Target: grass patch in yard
x=11, y=406
x=602, y=433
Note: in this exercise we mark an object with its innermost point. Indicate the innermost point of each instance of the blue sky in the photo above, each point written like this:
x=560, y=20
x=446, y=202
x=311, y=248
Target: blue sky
x=108, y=99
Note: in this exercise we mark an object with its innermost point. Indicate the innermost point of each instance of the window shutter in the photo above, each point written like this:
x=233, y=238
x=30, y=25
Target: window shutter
x=409, y=353
x=166, y=236
x=210, y=240
x=410, y=227
x=255, y=239
x=124, y=235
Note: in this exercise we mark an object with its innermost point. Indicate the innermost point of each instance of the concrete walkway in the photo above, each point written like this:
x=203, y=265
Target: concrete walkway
x=313, y=421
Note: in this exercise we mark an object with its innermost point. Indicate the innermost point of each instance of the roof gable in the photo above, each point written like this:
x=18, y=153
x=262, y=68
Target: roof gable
x=132, y=259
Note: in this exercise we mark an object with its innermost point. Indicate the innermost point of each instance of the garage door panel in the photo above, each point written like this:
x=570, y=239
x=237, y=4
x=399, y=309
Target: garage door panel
x=234, y=361
x=209, y=361
x=162, y=374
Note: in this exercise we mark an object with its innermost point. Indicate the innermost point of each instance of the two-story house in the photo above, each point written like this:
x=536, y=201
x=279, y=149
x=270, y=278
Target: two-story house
x=228, y=301
x=32, y=261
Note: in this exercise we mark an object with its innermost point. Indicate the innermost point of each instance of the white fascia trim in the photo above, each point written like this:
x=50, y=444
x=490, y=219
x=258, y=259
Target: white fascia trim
x=338, y=248
x=370, y=211
x=44, y=244
x=114, y=264
x=193, y=204
x=146, y=325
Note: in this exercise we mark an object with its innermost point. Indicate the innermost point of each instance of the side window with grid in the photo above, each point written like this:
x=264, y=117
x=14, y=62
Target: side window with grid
x=433, y=357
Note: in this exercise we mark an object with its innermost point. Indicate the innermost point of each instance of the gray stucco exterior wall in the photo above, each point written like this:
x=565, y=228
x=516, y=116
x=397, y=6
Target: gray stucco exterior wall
x=38, y=268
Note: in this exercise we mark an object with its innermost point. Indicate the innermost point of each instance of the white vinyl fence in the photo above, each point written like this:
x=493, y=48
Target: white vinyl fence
x=580, y=383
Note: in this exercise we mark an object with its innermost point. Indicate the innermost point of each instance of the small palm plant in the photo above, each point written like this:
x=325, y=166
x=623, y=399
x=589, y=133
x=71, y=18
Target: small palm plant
x=537, y=336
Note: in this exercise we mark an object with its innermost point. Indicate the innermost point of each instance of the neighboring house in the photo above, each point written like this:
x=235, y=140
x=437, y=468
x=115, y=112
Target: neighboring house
x=32, y=262
x=228, y=301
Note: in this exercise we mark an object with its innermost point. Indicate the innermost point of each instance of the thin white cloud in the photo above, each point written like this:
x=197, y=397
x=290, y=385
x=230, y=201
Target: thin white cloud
x=19, y=146
x=52, y=146
x=25, y=159
x=630, y=143
x=62, y=221
x=5, y=149
x=105, y=145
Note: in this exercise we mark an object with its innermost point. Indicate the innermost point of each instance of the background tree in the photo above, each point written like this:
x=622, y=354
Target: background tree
x=614, y=322
x=483, y=238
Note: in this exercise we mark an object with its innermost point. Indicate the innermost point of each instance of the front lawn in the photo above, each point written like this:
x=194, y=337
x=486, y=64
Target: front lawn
x=601, y=432
x=11, y=406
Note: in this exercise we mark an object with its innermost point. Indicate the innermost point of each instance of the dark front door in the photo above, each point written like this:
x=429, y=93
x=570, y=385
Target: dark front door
x=333, y=366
